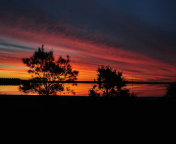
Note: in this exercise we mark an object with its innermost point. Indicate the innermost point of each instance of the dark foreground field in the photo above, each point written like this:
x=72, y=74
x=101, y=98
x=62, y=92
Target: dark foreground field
x=58, y=103
x=87, y=113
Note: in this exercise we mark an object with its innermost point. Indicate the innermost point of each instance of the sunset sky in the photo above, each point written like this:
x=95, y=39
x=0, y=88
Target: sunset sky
x=137, y=37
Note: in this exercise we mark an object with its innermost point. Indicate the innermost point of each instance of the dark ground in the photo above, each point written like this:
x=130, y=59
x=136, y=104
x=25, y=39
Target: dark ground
x=131, y=116
x=56, y=103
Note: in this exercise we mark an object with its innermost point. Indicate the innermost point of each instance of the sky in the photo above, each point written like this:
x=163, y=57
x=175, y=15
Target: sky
x=137, y=37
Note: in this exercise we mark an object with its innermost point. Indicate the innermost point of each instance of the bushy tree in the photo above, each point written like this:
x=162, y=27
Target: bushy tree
x=46, y=72
x=111, y=83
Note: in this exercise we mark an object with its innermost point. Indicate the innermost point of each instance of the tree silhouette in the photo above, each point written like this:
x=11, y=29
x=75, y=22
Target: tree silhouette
x=171, y=90
x=110, y=83
x=46, y=72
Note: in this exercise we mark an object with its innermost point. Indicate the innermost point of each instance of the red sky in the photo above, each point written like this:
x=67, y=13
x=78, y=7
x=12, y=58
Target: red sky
x=90, y=37
x=85, y=57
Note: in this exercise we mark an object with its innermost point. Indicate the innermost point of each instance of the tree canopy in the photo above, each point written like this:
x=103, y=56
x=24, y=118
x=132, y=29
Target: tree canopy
x=111, y=83
x=46, y=72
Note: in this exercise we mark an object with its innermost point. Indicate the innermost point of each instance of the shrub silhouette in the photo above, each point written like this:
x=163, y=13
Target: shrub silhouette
x=171, y=90
x=110, y=83
x=44, y=68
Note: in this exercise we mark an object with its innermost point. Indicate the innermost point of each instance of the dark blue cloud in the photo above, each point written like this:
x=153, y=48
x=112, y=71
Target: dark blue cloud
x=98, y=13
x=159, y=13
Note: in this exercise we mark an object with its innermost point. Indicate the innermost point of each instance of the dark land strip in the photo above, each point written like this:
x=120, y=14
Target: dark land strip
x=39, y=102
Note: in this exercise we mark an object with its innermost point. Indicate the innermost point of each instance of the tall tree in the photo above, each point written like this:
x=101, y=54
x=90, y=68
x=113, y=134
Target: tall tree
x=46, y=72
